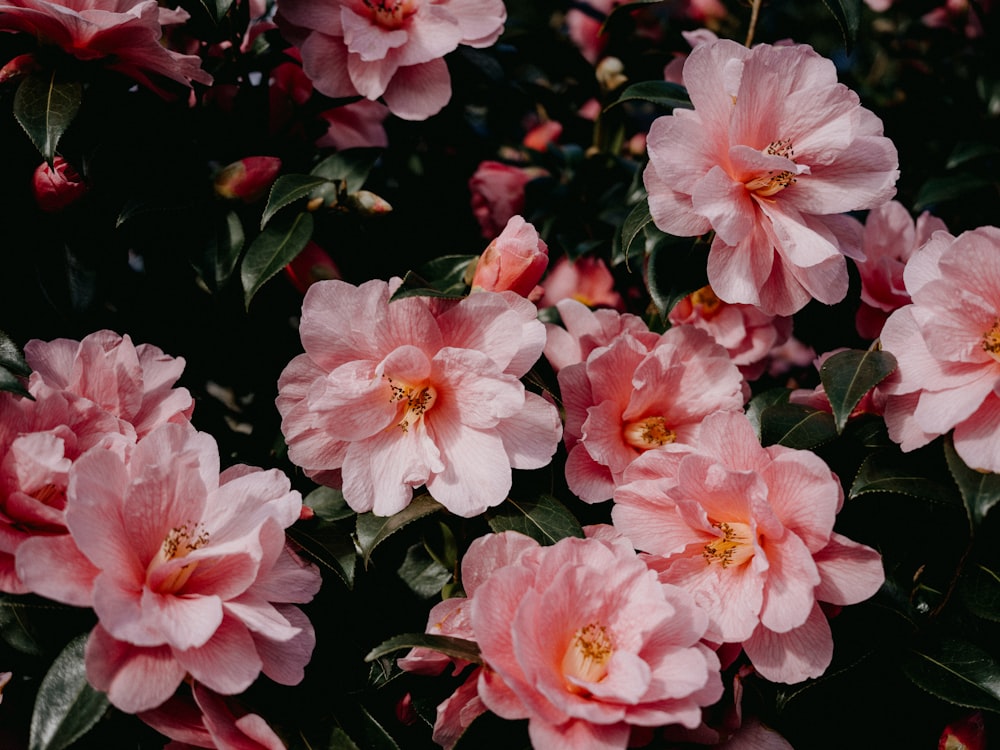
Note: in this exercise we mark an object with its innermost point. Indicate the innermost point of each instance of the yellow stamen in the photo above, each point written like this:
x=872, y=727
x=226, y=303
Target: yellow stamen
x=587, y=655
x=734, y=547
x=991, y=340
x=651, y=432
x=179, y=542
x=771, y=183
x=418, y=400
x=705, y=302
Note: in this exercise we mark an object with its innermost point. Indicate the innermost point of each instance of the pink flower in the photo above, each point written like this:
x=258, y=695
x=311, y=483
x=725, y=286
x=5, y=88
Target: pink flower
x=124, y=34
x=540, y=137
x=311, y=265
x=583, y=641
x=393, y=49
x=584, y=29
x=748, y=334
x=248, y=179
x=584, y=330
x=586, y=279
x=355, y=125
x=890, y=238
x=631, y=397
x=193, y=576
x=205, y=719
x=56, y=188
x=420, y=391
x=514, y=261
x=498, y=194
x=749, y=532
x=947, y=345
x=769, y=162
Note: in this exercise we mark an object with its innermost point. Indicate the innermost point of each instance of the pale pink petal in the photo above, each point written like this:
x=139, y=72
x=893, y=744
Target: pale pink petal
x=849, y=572
x=794, y=656
x=135, y=678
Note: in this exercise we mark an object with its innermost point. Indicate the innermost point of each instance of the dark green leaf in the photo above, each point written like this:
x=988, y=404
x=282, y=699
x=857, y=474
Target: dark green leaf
x=950, y=187
x=340, y=741
x=762, y=401
x=980, y=489
x=328, y=504
x=796, y=426
x=887, y=471
x=848, y=15
x=422, y=573
x=274, y=248
x=956, y=671
x=45, y=106
x=456, y=648
x=11, y=357
x=374, y=734
x=352, y=165
x=677, y=266
x=544, y=519
x=633, y=232
x=222, y=252
x=66, y=706
x=448, y=276
x=286, y=190
x=329, y=545
x=10, y=382
x=979, y=589
x=966, y=151
x=15, y=628
x=847, y=376
x=372, y=530
x=662, y=93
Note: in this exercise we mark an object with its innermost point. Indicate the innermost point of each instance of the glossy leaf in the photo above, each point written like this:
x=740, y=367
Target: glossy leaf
x=633, y=234
x=956, y=671
x=796, y=426
x=11, y=357
x=66, y=706
x=447, y=276
x=372, y=530
x=286, y=190
x=222, y=252
x=544, y=519
x=422, y=573
x=762, y=401
x=15, y=628
x=45, y=107
x=352, y=165
x=677, y=266
x=339, y=740
x=848, y=16
x=662, y=93
x=456, y=648
x=948, y=188
x=274, y=248
x=980, y=490
x=329, y=545
x=10, y=382
x=329, y=504
x=979, y=589
x=847, y=376
x=887, y=471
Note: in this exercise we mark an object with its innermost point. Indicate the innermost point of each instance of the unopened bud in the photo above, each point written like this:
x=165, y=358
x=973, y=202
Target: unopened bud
x=18, y=67
x=968, y=733
x=311, y=265
x=368, y=203
x=57, y=187
x=248, y=179
x=611, y=73
x=514, y=261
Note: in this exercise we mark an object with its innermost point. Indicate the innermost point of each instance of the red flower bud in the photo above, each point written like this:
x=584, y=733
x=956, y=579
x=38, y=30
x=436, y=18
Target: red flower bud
x=57, y=187
x=247, y=179
x=310, y=266
x=968, y=733
x=514, y=261
x=19, y=66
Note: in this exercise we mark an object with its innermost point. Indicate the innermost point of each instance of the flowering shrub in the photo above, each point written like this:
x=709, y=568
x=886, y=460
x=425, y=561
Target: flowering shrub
x=484, y=373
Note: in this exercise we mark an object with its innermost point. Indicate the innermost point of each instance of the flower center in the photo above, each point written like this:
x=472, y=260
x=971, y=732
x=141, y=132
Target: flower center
x=179, y=542
x=390, y=14
x=415, y=401
x=587, y=655
x=51, y=495
x=772, y=182
x=734, y=546
x=705, y=302
x=991, y=340
x=651, y=432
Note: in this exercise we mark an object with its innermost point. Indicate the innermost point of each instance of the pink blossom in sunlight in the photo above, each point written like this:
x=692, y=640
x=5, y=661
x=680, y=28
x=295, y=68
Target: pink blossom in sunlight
x=582, y=640
x=769, y=162
x=749, y=532
x=391, y=49
x=124, y=34
x=586, y=279
x=193, y=573
x=514, y=261
x=947, y=345
x=748, y=334
x=889, y=239
x=630, y=397
x=498, y=194
x=420, y=391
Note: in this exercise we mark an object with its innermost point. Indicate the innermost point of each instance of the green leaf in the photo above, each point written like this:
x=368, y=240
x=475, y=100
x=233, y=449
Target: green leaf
x=274, y=248
x=340, y=741
x=286, y=190
x=677, y=266
x=45, y=106
x=447, y=276
x=352, y=165
x=633, y=231
x=374, y=734
x=662, y=93
x=10, y=382
x=544, y=519
x=888, y=471
x=848, y=15
x=980, y=490
x=66, y=706
x=328, y=504
x=950, y=187
x=422, y=573
x=372, y=530
x=979, y=590
x=15, y=628
x=762, y=401
x=330, y=545
x=847, y=376
x=456, y=648
x=967, y=151
x=956, y=671
x=222, y=252
x=11, y=357
x=796, y=426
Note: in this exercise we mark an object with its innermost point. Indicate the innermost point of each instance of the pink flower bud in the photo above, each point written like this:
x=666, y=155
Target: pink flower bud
x=247, y=179
x=310, y=266
x=19, y=66
x=968, y=733
x=514, y=261
x=57, y=187
x=368, y=203
x=540, y=136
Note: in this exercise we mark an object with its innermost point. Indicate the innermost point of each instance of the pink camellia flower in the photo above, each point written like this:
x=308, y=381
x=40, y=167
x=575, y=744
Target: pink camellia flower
x=514, y=261
x=57, y=187
x=193, y=575
x=631, y=397
x=583, y=330
x=947, y=345
x=769, y=162
x=123, y=34
x=420, y=391
x=748, y=334
x=586, y=279
x=205, y=719
x=960, y=15
x=749, y=532
x=889, y=239
x=393, y=49
x=248, y=179
x=498, y=194
x=355, y=125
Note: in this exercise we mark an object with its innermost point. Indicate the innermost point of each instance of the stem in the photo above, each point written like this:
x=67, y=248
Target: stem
x=754, y=13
